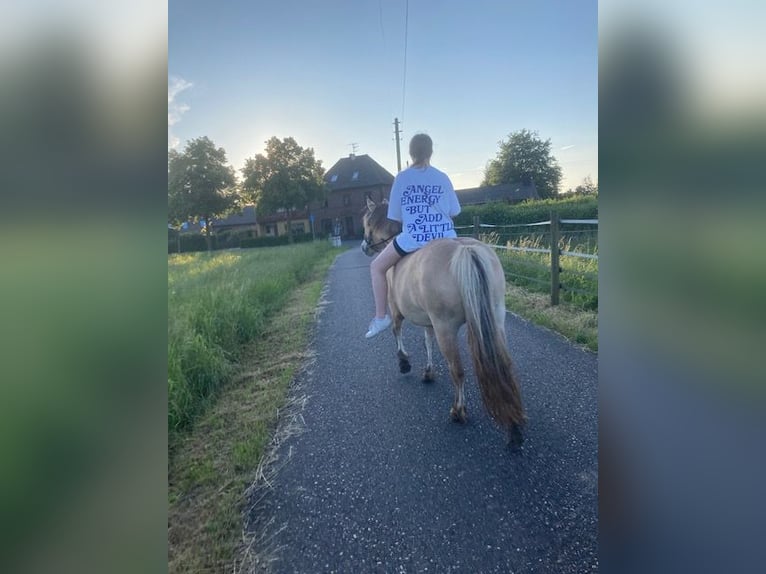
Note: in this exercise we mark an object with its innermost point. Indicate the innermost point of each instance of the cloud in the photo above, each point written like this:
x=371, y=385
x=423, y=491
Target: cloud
x=566, y=147
x=176, y=109
x=176, y=85
x=175, y=112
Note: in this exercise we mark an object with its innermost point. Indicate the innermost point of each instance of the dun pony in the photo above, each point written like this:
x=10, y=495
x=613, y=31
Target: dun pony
x=448, y=283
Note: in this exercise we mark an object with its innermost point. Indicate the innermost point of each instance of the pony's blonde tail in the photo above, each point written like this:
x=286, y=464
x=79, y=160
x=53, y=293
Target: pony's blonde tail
x=471, y=266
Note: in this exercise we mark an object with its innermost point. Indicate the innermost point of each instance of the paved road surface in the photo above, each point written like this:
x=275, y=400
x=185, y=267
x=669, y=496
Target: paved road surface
x=382, y=481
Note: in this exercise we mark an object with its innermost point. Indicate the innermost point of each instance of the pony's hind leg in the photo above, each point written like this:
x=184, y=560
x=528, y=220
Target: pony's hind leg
x=404, y=358
x=446, y=336
x=428, y=374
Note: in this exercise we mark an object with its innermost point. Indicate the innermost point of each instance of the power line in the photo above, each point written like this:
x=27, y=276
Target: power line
x=380, y=19
x=404, y=75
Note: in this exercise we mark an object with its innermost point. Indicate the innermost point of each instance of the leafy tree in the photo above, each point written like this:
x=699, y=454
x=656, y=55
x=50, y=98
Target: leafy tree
x=587, y=187
x=286, y=178
x=200, y=183
x=525, y=158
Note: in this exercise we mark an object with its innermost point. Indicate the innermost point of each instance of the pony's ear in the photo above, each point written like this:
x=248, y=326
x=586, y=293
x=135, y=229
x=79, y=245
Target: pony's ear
x=370, y=205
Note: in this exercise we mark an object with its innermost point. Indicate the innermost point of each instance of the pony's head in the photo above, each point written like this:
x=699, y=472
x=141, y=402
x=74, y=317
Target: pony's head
x=378, y=229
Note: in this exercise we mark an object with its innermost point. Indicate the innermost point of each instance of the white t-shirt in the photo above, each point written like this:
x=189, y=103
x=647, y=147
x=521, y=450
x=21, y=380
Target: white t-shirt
x=424, y=201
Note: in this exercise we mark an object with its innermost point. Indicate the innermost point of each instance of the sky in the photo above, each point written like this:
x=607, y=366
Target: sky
x=335, y=74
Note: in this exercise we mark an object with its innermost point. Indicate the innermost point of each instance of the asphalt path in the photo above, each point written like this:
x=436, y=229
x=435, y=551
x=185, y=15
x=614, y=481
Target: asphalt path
x=381, y=480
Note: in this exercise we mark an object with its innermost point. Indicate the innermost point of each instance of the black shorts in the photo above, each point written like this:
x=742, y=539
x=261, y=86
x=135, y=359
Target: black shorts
x=399, y=250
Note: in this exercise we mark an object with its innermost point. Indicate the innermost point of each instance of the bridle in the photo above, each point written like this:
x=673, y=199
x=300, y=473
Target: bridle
x=370, y=245
x=367, y=242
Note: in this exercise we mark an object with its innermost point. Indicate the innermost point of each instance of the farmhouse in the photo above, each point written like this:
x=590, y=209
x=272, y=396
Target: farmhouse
x=275, y=224
x=351, y=181
x=247, y=224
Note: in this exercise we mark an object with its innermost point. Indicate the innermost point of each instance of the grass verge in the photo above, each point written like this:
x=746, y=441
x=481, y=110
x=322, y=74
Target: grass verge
x=576, y=324
x=217, y=304
x=213, y=461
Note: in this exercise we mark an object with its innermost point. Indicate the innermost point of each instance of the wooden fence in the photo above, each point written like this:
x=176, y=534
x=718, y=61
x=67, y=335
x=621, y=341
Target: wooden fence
x=540, y=248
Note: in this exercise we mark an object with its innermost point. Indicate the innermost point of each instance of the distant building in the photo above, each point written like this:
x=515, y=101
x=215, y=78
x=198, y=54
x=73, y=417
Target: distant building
x=191, y=226
x=243, y=224
x=507, y=192
x=275, y=224
x=351, y=181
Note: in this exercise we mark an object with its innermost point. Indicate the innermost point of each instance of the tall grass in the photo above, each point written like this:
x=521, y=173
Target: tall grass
x=578, y=276
x=510, y=227
x=216, y=304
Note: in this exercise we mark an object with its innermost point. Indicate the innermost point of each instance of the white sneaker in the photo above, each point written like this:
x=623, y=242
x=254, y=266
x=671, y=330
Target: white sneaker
x=377, y=326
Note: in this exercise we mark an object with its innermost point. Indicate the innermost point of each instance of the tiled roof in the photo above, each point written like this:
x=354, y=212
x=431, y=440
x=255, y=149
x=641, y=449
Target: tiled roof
x=282, y=216
x=357, y=171
x=510, y=192
x=247, y=217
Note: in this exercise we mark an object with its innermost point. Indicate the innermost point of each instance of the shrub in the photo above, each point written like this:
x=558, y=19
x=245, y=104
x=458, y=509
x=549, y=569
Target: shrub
x=501, y=213
x=191, y=243
x=274, y=241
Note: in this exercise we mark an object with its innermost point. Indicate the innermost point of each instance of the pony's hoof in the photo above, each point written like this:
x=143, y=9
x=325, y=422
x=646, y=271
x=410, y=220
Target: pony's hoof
x=515, y=437
x=428, y=376
x=404, y=366
x=458, y=415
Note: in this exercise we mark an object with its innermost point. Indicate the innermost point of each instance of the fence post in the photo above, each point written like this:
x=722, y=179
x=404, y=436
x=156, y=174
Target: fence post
x=555, y=253
x=476, y=226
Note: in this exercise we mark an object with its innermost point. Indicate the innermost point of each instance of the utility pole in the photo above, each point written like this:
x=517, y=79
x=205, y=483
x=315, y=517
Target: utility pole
x=398, y=153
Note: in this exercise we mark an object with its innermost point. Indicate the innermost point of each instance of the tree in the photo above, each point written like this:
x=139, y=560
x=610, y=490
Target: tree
x=286, y=178
x=525, y=158
x=587, y=187
x=200, y=183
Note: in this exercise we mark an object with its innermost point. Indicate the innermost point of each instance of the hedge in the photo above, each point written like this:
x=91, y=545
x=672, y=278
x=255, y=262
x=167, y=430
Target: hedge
x=501, y=213
x=274, y=241
x=195, y=242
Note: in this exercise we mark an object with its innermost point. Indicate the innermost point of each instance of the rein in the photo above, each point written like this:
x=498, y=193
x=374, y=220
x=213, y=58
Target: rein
x=382, y=241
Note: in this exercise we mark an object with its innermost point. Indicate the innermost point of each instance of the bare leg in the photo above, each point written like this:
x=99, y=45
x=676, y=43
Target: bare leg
x=387, y=258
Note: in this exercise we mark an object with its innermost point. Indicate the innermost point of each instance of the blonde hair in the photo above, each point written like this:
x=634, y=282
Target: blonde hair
x=421, y=148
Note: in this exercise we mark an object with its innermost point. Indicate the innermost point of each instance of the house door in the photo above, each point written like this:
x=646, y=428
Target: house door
x=350, y=226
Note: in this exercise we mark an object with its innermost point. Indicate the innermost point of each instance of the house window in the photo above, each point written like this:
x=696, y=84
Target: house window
x=355, y=176
x=346, y=200
x=334, y=178
x=299, y=228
